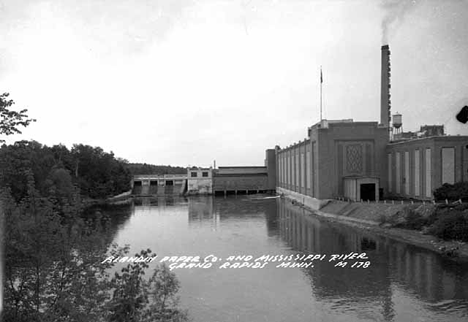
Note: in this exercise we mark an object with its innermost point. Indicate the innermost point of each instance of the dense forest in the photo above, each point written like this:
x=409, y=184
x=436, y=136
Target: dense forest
x=143, y=168
x=54, y=245
x=57, y=169
x=95, y=173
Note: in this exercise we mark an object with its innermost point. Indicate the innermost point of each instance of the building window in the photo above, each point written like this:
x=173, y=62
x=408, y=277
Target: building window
x=406, y=179
x=389, y=172
x=193, y=174
x=398, y=173
x=417, y=173
x=448, y=165
x=204, y=174
x=428, y=173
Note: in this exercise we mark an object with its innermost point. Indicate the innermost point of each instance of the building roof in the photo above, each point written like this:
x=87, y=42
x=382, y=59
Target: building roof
x=447, y=138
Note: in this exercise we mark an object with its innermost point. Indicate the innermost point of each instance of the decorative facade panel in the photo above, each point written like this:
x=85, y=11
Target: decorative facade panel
x=354, y=159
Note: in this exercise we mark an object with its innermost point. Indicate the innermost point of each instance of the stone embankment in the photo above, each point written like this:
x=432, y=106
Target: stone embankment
x=376, y=217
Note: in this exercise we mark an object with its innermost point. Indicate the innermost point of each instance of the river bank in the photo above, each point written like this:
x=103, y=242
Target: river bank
x=375, y=217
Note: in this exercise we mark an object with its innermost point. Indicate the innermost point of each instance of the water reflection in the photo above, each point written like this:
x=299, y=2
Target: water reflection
x=162, y=202
x=110, y=218
x=397, y=269
x=403, y=283
x=200, y=211
x=209, y=211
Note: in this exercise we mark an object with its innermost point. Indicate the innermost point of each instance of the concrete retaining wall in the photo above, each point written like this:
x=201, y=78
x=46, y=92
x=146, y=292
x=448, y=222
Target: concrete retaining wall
x=364, y=213
x=307, y=201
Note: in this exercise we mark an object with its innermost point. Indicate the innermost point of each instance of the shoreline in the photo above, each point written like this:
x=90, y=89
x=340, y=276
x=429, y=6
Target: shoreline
x=412, y=237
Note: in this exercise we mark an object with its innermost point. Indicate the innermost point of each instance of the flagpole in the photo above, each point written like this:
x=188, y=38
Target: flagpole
x=321, y=82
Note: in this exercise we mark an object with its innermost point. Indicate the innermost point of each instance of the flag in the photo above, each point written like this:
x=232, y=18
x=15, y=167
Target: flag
x=321, y=76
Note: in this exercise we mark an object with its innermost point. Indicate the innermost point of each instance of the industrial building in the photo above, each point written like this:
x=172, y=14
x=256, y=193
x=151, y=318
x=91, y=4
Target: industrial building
x=419, y=166
x=158, y=185
x=335, y=152
x=206, y=181
x=338, y=159
x=199, y=181
x=247, y=179
x=370, y=160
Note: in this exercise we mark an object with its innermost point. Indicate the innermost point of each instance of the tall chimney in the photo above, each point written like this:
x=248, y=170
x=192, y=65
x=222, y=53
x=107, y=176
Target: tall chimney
x=385, y=88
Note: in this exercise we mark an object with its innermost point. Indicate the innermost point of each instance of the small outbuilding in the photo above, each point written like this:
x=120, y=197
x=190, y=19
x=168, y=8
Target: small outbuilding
x=358, y=188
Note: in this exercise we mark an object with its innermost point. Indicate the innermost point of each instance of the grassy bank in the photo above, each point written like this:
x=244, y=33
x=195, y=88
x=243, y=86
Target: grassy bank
x=440, y=228
x=448, y=222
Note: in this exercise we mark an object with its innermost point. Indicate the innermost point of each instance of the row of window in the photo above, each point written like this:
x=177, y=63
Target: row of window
x=412, y=171
x=195, y=174
x=294, y=169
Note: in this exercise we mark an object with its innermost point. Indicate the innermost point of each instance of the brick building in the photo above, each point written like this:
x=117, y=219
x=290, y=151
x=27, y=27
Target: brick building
x=415, y=168
x=248, y=178
x=357, y=161
x=335, y=152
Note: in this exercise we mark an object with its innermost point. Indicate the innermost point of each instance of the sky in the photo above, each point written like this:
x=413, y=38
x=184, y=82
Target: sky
x=187, y=82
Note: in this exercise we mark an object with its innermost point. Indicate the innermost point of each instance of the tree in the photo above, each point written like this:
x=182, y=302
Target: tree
x=163, y=287
x=54, y=268
x=136, y=299
x=98, y=173
x=11, y=120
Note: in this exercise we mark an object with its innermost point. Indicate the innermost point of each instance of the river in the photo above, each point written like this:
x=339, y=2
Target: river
x=401, y=282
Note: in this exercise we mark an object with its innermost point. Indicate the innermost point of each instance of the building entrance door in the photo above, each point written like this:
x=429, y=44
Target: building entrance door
x=368, y=191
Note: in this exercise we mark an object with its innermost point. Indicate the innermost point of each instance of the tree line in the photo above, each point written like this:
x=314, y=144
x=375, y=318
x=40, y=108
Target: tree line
x=57, y=169
x=54, y=245
x=144, y=168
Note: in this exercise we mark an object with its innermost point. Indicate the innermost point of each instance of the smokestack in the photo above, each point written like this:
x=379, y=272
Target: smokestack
x=385, y=104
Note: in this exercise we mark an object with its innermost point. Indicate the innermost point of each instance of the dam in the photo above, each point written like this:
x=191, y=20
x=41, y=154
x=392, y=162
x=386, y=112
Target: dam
x=158, y=185
x=209, y=181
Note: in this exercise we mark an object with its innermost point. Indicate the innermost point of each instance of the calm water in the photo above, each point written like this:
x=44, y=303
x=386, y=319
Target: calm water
x=403, y=283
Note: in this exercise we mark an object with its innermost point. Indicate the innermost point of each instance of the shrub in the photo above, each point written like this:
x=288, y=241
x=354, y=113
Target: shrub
x=452, y=192
x=414, y=220
x=451, y=225
x=461, y=207
x=432, y=217
x=409, y=218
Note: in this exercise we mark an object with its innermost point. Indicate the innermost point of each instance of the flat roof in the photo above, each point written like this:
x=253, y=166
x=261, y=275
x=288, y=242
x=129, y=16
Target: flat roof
x=435, y=138
x=242, y=167
x=347, y=122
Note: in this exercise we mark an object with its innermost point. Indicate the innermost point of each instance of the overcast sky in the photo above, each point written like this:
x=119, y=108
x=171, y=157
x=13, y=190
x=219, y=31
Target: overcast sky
x=186, y=82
